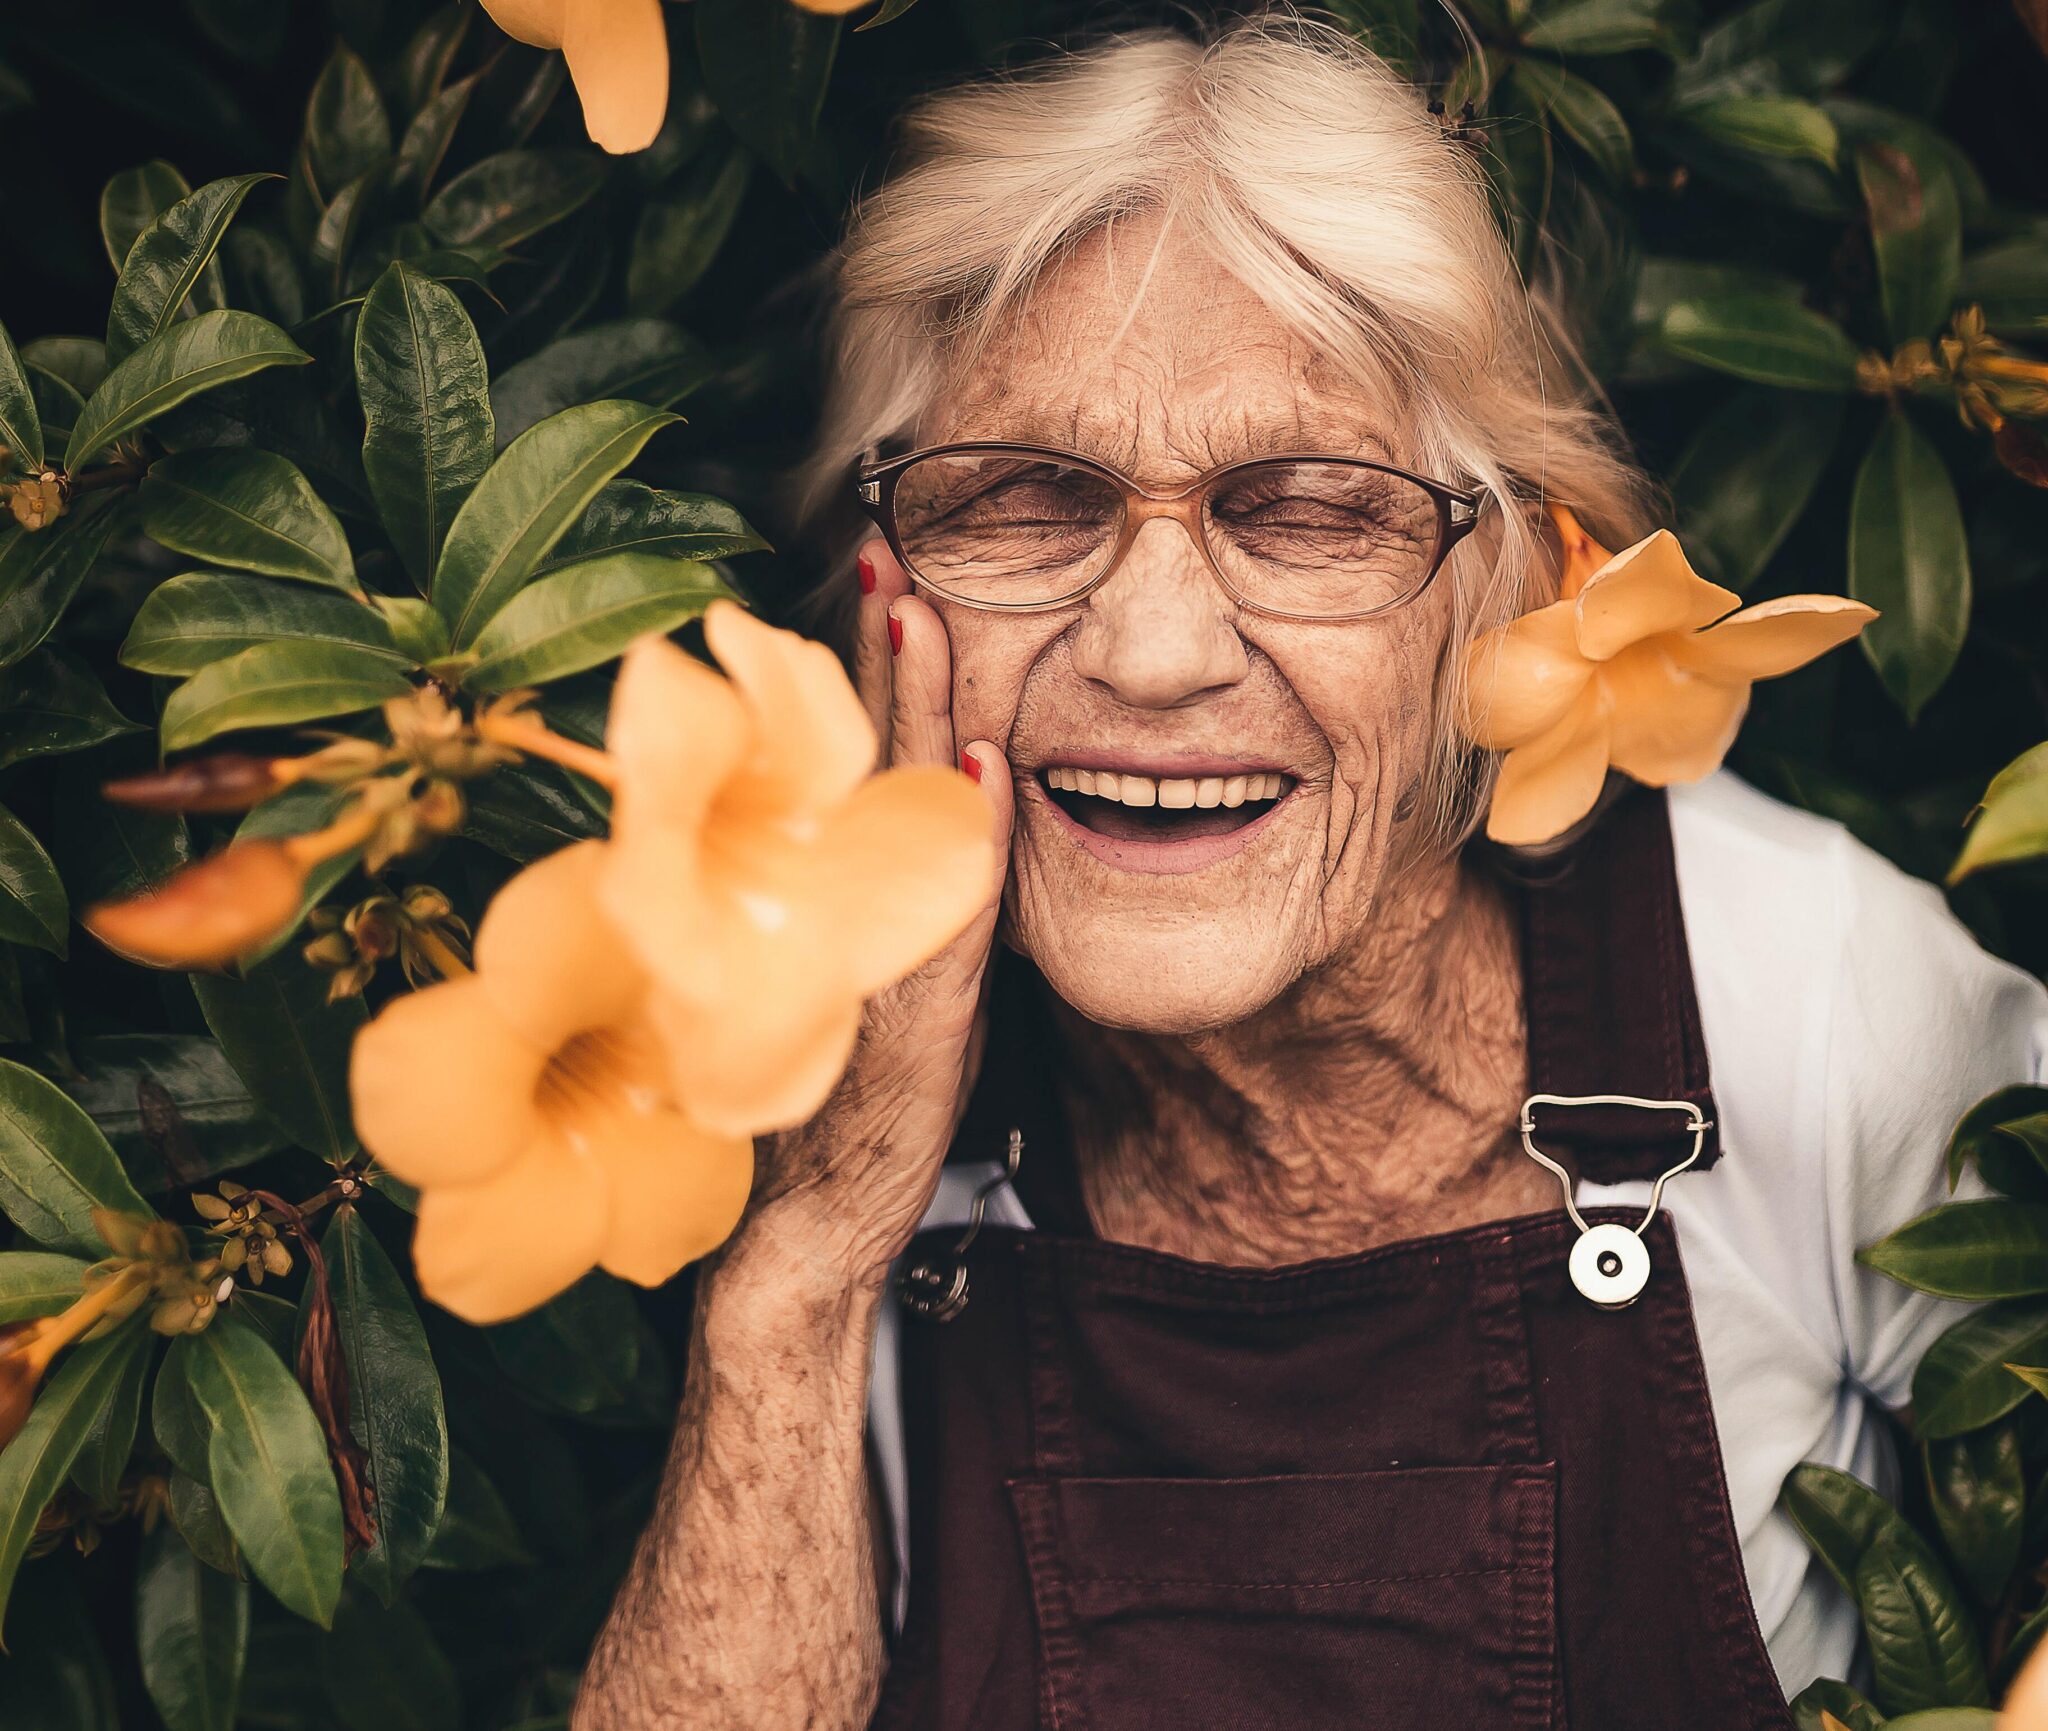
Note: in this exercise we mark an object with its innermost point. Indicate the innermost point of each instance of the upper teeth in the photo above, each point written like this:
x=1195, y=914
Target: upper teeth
x=1169, y=791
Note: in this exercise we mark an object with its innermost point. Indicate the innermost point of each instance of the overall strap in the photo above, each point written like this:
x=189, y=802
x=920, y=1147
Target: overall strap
x=1608, y=988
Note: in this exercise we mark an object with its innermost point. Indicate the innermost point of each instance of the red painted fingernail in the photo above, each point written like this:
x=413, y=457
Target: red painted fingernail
x=895, y=635
x=867, y=574
x=971, y=764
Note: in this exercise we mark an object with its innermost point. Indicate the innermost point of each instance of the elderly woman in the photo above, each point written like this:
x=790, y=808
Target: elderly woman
x=1249, y=1372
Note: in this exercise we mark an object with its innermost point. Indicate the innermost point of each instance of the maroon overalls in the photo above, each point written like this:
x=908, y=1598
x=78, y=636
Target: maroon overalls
x=1428, y=1485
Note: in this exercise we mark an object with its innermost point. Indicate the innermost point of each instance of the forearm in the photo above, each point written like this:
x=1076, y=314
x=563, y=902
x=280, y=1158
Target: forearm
x=752, y=1600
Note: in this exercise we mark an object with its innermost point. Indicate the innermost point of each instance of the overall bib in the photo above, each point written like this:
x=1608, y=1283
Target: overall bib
x=1428, y=1485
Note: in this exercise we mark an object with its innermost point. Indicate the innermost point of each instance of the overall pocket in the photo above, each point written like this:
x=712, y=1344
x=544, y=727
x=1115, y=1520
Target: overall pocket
x=1377, y=1601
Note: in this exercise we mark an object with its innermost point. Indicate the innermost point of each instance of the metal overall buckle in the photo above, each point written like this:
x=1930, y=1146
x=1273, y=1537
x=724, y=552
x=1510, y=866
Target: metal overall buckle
x=1610, y=1264
x=935, y=1287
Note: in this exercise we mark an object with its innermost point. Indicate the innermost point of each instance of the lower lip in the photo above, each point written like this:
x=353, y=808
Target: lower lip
x=1158, y=858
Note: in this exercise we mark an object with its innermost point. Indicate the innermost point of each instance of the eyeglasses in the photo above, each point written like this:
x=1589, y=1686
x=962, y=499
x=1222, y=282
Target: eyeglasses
x=1023, y=528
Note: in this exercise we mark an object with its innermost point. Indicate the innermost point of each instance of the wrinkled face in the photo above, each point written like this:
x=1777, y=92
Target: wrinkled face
x=1207, y=798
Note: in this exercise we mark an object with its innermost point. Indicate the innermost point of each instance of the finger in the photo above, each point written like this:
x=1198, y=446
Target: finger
x=959, y=965
x=921, y=685
x=871, y=657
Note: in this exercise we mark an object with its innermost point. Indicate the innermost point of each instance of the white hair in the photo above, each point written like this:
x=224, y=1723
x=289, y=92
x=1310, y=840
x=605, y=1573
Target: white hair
x=1318, y=177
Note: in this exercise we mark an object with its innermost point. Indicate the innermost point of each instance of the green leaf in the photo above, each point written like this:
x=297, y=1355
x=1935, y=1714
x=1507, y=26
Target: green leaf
x=179, y=1424
x=384, y=1671
x=291, y=1046
x=527, y=811
x=347, y=131
x=1991, y=1249
x=56, y=1675
x=103, y=1458
x=1962, y=1383
x=1828, y=1696
x=55, y=1166
x=205, y=616
x=1748, y=475
x=81, y=362
x=427, y=402
x=1924, y=1650
x=681, y=229
x=526, y=502
x=40, y=574
x=579, y=1352
x=629, y=516
x=2009, y=281
x=168, y=265
x=2012, y=821
x=195, y=1511
x=268, y=1464
x=107, y=851
x=419, y=632
x=194, y=355
x=1587, y=117
x=1764, y=338
x=296, y=811
x=1764, y=126
x=2010, y=1160
x=642, y=360
x=57, y=405
x=34, y=1464
x=1978, y=1492
x=768, y=67
x=134, y=199
x=395, y=1408
x=1838, y=1515
x=50, y=703
x=1909, y=557
x=38, y=1283
x=1613, y=27
x=512, y=196
x=1916, y=229
x=249, y=510
x=585, y=615
x=192, y=1633
x=218, y=1125
x=21, y=428
x=425, y=144
x=33, y=908
x=276, y=684
x=476, y=1530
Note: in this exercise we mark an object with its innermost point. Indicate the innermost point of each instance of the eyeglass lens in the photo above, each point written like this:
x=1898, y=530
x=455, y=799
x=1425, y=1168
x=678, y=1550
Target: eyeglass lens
x=1311, y=538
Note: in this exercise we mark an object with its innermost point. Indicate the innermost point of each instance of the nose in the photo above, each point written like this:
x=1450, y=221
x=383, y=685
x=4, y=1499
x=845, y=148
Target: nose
x=1160, y=632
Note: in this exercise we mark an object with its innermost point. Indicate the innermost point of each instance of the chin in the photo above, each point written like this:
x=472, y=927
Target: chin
x=1178, y=979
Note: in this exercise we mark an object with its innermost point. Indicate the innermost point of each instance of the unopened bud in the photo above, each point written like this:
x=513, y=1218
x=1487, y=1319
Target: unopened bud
x=207, y=914
x=229, y=781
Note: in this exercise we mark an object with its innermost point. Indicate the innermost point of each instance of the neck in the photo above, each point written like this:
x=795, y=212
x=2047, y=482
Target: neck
x=1371, y=1102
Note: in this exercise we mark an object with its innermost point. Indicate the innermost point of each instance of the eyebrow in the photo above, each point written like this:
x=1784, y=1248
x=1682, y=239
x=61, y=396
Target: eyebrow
x=1115, y=441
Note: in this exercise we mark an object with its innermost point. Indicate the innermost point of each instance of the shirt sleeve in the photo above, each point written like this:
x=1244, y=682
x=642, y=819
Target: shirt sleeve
x=1925, y=1024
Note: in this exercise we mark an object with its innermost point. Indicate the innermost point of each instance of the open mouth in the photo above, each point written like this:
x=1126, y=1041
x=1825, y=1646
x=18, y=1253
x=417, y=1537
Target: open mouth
x=1150, y=808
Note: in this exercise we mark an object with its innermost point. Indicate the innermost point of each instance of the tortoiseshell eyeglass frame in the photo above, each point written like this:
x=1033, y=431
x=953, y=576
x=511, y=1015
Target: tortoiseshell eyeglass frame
x=1457, y=513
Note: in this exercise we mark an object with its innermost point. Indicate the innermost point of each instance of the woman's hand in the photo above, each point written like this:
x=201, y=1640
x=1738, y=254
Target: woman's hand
x=843, y=1194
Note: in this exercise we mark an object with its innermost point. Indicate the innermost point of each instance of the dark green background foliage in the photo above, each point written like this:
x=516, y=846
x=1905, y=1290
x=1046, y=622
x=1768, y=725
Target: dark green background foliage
x=1739, y=203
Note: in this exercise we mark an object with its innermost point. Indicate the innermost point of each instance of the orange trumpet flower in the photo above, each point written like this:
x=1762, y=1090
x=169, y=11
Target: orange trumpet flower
x=618, y=57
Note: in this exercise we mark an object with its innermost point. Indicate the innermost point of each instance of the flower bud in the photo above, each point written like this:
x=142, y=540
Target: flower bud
x=208, y=914
x=228, y=781
x=37, y=502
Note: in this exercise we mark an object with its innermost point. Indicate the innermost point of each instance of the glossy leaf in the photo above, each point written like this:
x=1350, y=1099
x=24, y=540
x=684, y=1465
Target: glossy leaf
x=34, y=1464
x=427, y=403
x=629, y=516
x=131, y=201
x=268, y=1464
x=1923, y=1646
x=1909, y=557
x=347, y=131
x=394, y=1402
x=195, y=355
x=1611, y=27
x=529, y=810
x=512, y=196
x=2012, y=823
x=767, y=67
x=290, y=1046
x=103, y=1459
x=178, y=1421
x=1995, y=1136
x=57, y=405
x=527, y=501
x=579, y=1352
x=249, y=510
x=641, y=360
x=476, y=1530
x=384, y=1671
x=206, y=616
x=1978, y=1491
x=1916, y=228
x=192, y=1635
x=38, y=1283
x=168, y=265
x=297, y=810
x=50, y=703
x=218, y=1126
x=1962, y=1382
x=428, y=136
x=195, y=1513
x=33, y=907
x=55, y=1166
x=1828, y=1697
x=1748, y=476
x=585, y=615
x=21, y=428
x=681, y=230
x=1764, y=338
x=81, y=362
x=107, y=850
x=1994, y=1249
x=41, y=574
x=278, y=684
x=1765, y=126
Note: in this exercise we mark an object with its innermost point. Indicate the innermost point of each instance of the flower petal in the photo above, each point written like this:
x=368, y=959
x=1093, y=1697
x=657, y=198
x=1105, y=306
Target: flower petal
x=763, y=1060
x=1643, y=590
x=548, y=957
x=676, y=1191
x=1773, y=637
x=1666, y=723
x=1547, y=785
x=537, y=22
x=813, y=741
x=618, y=55
x=442, y=1086
x=1583, y=556
x=1521, y=679
x=496, y=1249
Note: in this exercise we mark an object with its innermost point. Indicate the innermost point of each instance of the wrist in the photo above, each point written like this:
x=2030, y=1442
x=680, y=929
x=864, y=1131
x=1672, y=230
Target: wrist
x=778, y=1270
